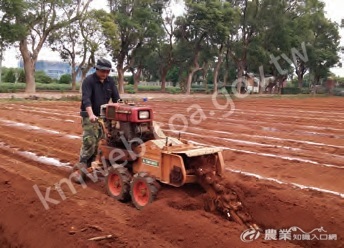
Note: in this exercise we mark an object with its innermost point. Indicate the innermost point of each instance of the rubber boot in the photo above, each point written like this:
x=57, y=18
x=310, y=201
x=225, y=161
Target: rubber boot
x=79, y=173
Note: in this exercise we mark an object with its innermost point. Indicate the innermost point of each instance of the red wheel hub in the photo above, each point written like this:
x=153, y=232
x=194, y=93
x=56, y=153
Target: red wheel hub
x=141, y=193
x=115, y=184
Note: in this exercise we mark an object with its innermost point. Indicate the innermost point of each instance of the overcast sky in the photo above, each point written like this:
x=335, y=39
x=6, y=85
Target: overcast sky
x=333, y=8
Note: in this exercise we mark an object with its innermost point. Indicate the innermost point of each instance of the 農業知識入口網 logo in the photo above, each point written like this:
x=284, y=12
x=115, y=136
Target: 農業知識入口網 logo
x=249, y=235
x=293, y=233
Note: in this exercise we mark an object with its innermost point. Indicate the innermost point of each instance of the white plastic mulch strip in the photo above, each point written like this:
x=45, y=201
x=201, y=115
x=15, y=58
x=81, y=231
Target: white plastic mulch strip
x=239, y=141
x=42, y=111
x=285, y=158
x=240, y=121
x=34, y=157
x=287, y=183
x=260, y=136
x=315, y=116
x=40, y=129
x=268, y=154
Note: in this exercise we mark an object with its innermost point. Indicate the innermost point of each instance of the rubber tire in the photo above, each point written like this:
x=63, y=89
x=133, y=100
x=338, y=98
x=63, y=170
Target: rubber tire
x=124, y=177
x=152, y=186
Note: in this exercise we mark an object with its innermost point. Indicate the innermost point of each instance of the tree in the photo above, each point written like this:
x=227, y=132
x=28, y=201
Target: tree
x=138, y=22
x=246, y=29
x=41, y=18
x=309, y=14
x=226, y=17
x=271, y=45
x=173, y=75
x=323, y=53
x=79, y=40
x=10, y=31
x=151, y=63
x=204, y=29
x=165, y=50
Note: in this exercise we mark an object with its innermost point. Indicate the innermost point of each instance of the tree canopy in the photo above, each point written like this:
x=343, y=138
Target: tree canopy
x=213, y=40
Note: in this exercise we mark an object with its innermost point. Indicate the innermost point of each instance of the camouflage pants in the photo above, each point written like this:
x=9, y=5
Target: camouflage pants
x=92, y=133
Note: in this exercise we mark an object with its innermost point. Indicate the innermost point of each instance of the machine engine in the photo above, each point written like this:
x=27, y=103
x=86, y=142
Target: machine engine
x=126, y=123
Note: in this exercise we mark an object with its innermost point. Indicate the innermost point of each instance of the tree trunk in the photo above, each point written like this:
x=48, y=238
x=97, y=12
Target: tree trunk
x=189, y=81
x=299, y=80
x=239, y=76
x=1, y=54
x=217, y=68
x=163, y=78
x=120, y=72
x=205, y=81
x=225, y=78
x=279, y=87
x=195, y=67
x=80, y=89
x=29, y=67
x=216, y=73
x=0, y=70
x=317, y=79
x=74, y=74
x=261, y=84
x=205, y=69
x=83, y=76
x=260, y=87
x=182, y=79
x=137, y=76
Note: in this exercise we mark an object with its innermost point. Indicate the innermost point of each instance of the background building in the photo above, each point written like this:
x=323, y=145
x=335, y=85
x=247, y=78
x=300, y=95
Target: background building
x=54, y=69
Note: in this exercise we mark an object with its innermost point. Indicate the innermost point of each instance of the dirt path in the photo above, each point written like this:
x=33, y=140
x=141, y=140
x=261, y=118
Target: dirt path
x=288, y=144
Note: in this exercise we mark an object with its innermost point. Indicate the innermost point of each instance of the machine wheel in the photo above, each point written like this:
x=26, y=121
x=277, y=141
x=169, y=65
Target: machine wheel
x=143, y=190
x=118, y=183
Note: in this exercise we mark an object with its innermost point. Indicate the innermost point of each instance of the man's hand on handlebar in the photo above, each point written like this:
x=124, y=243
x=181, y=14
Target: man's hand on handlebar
x=93, y=118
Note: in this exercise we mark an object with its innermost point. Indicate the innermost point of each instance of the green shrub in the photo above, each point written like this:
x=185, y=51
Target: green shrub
x=305, y=91
x=128, y=87
x=321, y=90
x=229, y=89
x=150, y=88
x=11, y=87
x=42, y=77
x=198, y=90
x=173, y=90
x=65, y=79
x=291, y=91
x=10, y=76
x=173, y=75
x=338, y=92
x=21, y=76
x=130, y=91
x=55, y=87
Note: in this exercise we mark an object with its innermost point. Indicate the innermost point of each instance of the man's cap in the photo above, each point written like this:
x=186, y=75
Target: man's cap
x=103, y=64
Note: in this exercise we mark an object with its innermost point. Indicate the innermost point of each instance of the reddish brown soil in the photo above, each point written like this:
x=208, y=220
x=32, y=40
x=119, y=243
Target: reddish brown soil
x=298, y=141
